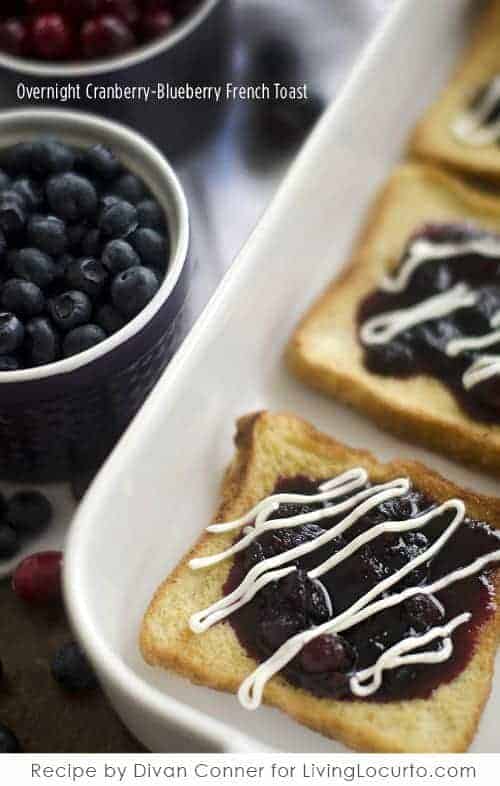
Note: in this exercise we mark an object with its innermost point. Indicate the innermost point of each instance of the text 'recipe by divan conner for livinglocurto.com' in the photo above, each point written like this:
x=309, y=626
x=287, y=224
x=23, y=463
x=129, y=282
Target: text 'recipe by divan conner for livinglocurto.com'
x=161, y=91
x=272, y=770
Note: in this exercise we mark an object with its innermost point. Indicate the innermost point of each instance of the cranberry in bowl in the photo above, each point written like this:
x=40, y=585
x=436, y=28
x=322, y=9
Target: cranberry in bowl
x=72, y=38
x=94, y=237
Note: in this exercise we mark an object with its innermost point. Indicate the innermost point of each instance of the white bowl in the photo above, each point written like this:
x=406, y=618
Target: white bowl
x=85, y=68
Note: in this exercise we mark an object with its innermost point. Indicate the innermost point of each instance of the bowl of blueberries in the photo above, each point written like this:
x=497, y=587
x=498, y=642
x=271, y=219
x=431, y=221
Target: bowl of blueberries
x=94, y=236
x=72, y=38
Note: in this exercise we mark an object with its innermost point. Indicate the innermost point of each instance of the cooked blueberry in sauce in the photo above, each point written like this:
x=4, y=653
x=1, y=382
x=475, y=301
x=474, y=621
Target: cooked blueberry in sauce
x=297, y=603
x=422, y=348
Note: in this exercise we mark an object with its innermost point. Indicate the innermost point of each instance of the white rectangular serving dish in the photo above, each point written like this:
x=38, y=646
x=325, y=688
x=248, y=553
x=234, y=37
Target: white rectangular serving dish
x=159, y=489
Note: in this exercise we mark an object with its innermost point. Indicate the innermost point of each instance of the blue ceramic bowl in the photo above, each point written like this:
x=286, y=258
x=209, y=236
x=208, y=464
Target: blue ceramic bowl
x=62, y=419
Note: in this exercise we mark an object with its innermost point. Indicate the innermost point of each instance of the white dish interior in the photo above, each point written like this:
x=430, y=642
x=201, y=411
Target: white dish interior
x=159, y=489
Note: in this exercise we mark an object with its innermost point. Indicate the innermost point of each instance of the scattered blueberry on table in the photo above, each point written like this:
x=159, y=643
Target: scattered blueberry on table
x=23, y=516
x=8, y=740
x=65, y=30
x=83, y=249
x=72, y=670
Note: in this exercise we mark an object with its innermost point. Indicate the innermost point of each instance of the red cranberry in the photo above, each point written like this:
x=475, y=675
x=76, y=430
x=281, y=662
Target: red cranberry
x=43, y=6
x=327, y=653
x=13, y=37
x=80, y=9
x=106, y=35
x=125, y=9
x=37, y=579
x=52, y=37
x=156, y=23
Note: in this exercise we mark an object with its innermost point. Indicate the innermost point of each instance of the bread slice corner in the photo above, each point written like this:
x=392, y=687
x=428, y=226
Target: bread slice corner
x=270, y=446
x=433, y=139
x=326, y=354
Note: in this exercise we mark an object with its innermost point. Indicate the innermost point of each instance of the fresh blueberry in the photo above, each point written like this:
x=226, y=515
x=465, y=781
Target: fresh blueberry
x=72, y=670
x=11, y=333
x=109, y=319
x=34, y=265
x=13, y=215
x=128, y=187
x=62, y=264
x=9, y=547
x=28, y=512
x=286, y=123
x=9, y=363
x=49, y=156
x=101, y=161
x=30, y=191
x=276, y=59
x=8, y=740
x=17, y=159
x=133, y=289
x=118, y=255
x=48, y=233
x=75, y=234
x=91, y=244
x=3, y=245
x=151, y=215
x=70, y=309
x=23, y=298
x=82, y=338
x=5, y=180
x=87, y=275
x=117, y=218
x=71, y=196
x=41, y=342
x=151, y=246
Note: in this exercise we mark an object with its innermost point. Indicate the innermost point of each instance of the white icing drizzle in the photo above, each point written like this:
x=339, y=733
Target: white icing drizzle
x=470, y=126
x=361, y=501
x=251, y=690
x=384, y=327
x=458, y=345
x=483, y=368
x=422, y=250
x=265, y=571
x=395, y=656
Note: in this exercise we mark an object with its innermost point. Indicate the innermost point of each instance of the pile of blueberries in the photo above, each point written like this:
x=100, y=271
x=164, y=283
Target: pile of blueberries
x=83, y=248
x=37, y=582
x=85, y=29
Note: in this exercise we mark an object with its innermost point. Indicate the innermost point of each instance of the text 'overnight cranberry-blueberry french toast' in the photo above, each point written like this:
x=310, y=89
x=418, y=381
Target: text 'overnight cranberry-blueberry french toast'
x=410, y=332
x=358, y=597
x=462, y=128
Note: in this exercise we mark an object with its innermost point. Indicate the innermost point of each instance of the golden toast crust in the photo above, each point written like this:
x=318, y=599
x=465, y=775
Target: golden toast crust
x=274, y=445
x=325, y=351
x=432, y=139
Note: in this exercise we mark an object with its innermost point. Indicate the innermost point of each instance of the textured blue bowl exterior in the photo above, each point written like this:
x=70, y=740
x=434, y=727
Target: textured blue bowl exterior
x=61, y=426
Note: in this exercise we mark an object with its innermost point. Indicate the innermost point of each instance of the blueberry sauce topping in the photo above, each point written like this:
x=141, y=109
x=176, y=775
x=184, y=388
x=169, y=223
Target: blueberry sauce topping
x=295, y=603
x=459, y=344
